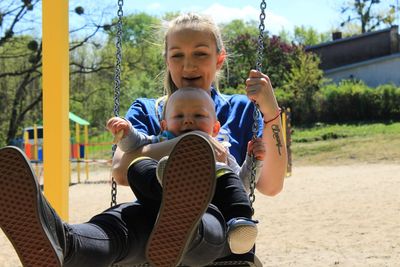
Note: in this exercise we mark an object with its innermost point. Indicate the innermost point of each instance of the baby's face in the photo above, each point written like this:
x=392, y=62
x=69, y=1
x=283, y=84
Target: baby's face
x=191, y=111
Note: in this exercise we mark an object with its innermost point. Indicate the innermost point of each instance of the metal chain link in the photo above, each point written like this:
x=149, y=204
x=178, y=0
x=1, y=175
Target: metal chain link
x=256, y=112
x=261, y=28
x=117, y=88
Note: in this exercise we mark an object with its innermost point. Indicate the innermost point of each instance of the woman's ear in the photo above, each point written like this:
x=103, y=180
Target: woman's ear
x=216, y=128
x=221, y=58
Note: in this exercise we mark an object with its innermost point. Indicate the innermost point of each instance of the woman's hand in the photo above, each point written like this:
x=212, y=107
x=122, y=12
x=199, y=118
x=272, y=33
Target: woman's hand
x=259, y=90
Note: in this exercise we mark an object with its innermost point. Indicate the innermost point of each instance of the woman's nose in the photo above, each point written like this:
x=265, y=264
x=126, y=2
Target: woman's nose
x=189, y=64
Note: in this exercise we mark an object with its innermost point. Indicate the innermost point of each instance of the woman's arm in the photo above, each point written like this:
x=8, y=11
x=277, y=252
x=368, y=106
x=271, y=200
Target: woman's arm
x=274, y=167
x=122, y=160
x=259, y=90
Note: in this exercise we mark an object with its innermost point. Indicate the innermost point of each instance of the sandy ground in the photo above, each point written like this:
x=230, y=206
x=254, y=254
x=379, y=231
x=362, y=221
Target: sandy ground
x=326, y=216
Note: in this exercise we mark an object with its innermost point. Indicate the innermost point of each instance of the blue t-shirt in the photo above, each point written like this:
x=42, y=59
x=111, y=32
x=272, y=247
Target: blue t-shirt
x=234, y=112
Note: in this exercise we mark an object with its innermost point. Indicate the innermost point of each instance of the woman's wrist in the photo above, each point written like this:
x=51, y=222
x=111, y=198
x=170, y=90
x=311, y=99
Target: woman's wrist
x=276, y=116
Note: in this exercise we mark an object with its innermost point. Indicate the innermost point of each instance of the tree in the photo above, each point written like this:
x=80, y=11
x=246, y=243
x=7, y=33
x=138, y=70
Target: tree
x=238, y=27
x=142, y=65
x=240, y=41
x=294, y=73
x=21, y=59
x=302, y=81
x=366, y=14
x=143, y=60
x=309, y=36
x=304, y=36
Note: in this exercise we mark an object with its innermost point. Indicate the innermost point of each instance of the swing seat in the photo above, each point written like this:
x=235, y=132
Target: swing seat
x=234, y=260
x=245, y=260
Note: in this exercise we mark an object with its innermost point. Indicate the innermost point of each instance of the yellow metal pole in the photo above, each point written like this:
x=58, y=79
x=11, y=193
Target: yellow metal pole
x=78, y=155
x=35, y=143
x=289, y=141
x=36, y=150
x=283, y=118
x=28, y=145
x=56, y=103
x=26, y=141
x=86, y=151
x=70, y=158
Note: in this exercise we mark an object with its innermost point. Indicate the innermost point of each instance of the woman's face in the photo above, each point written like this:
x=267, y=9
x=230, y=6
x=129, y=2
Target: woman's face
x=192, y=58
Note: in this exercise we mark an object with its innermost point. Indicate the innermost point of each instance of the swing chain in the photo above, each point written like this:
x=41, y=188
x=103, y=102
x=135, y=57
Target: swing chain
x=261, y=29
x=118, y=45
x=117, y=88
x=256, y=112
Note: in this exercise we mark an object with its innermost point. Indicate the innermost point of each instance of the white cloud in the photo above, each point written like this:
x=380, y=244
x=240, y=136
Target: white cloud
x=154, y=6
x=222, y=14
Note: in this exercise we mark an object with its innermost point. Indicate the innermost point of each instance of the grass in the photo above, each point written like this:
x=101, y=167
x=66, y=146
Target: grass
x=322, y=144
x=101, y=146
x=346, y=144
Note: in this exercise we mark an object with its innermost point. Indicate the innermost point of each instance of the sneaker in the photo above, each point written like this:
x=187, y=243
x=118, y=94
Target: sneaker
x=188, y=187
x=27, y=219
x=242, y=234
x=160, y=168
x=221, y=169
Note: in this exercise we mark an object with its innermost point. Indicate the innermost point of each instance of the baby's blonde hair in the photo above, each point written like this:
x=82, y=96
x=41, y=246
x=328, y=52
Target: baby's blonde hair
x=190, y=90
x=191, y=21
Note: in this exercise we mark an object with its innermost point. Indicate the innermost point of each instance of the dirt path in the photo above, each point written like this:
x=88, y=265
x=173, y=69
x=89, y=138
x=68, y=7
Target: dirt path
x=326, y=216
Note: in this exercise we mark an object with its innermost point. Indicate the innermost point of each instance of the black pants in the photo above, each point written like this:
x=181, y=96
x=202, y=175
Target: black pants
x=230, y=196
x=120, y=234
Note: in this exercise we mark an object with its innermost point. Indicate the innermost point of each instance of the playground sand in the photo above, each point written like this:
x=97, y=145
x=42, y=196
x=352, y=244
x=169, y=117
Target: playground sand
x=326, y=216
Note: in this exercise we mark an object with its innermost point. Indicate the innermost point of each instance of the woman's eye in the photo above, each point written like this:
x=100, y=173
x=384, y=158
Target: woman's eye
x=200, y=54
x=177, y=55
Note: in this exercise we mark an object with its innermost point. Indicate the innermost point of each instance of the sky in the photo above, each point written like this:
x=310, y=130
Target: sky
x=323, y=15
x=320, y=14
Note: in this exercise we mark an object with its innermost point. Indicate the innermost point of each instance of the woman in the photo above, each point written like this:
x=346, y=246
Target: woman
x=194, y=53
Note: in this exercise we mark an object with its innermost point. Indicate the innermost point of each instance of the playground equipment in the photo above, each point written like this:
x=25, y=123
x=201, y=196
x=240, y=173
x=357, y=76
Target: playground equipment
x=33, y=145
x=79, y=151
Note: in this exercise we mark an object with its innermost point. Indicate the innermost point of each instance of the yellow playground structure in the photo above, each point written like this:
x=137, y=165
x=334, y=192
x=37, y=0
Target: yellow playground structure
x=33, y=146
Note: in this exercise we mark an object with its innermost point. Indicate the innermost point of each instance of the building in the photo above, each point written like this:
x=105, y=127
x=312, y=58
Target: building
x=372, y=57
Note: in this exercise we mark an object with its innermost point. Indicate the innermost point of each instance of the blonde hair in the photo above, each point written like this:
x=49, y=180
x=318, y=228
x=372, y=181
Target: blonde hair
x=192, y=21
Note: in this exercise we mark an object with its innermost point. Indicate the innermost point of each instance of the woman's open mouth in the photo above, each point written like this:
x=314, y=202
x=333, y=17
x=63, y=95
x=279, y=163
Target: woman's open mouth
x=191, y=80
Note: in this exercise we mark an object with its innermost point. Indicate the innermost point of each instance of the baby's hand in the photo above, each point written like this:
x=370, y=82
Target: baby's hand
x=118, y=127
x=256, y=147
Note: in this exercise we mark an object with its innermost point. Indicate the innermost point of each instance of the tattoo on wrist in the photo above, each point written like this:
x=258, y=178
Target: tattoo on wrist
x=276, y=131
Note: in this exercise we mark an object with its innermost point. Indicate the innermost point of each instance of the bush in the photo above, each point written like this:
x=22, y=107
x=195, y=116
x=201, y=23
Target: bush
x=389, y=103
x=354, y=101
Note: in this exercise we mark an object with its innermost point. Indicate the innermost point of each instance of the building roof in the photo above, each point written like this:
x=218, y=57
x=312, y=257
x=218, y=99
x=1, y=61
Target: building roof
x=355, y=49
